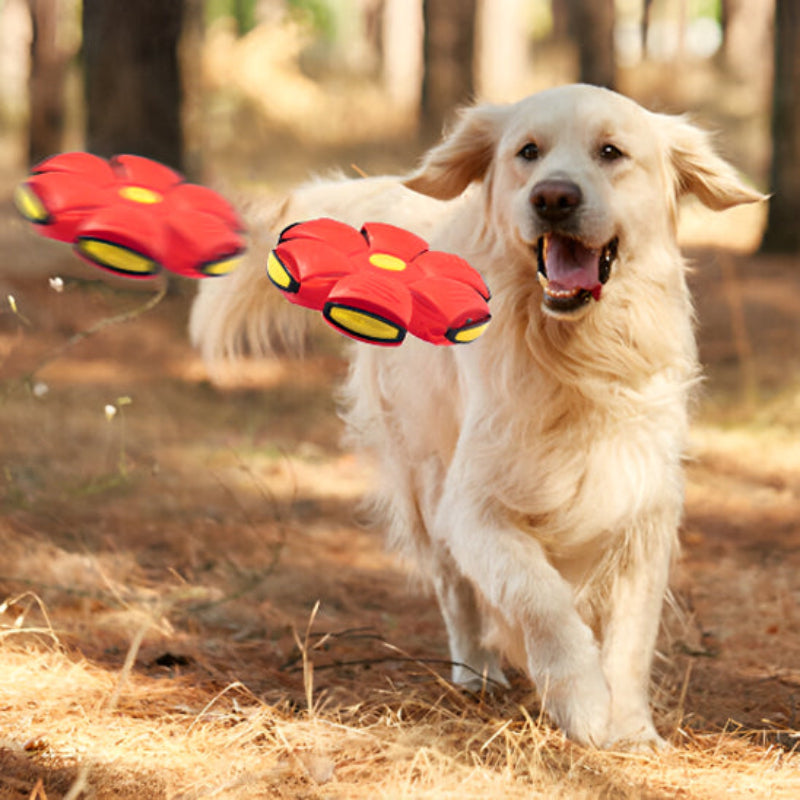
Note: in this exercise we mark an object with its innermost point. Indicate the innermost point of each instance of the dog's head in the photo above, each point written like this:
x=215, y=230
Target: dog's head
x=576, y=179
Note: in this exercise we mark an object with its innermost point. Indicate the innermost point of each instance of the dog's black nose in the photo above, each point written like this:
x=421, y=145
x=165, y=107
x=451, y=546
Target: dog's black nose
x=555, y=199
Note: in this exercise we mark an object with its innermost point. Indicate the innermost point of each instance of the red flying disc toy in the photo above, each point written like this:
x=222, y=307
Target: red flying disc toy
x=379, y=283
x=132, y=215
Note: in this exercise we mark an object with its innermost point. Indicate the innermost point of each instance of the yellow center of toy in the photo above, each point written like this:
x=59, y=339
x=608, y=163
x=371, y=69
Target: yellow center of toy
x=139, y=194
x=385, y=261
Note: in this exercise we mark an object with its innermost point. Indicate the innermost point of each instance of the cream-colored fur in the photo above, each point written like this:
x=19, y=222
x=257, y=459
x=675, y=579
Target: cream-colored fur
x=534, y=474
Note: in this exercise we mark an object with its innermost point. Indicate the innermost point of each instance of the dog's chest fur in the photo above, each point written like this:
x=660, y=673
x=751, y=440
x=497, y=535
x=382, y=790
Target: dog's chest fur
x=556, y=442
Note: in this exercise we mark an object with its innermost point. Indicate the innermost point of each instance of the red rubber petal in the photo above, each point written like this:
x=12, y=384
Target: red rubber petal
x=196, y=240
x=435, y=263
x=192, y=197
x=443, y=306
x=316, y=267
x=87, y=167
x=383, y=238
x=130, y=227
x=145, y=172
x=379, y=297
x=330, y=231
x=68, y=199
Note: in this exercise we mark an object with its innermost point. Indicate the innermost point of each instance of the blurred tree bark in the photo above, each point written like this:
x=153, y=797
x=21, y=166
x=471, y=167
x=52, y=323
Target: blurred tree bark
x=448, y=49
x=783, y=230
x=401, y=39
x=591, y=25
x=133, y=82
x=46, y=81
x=747, y=36
x=644, y=25
x=193, y=125
x=501, y=43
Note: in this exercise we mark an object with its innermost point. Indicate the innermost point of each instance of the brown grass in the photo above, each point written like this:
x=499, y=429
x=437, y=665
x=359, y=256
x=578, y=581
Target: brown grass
x=180, y=740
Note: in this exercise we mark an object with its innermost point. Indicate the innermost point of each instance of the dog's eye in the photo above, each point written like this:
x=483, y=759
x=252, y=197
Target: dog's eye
x=610, y=152
x=530, y=152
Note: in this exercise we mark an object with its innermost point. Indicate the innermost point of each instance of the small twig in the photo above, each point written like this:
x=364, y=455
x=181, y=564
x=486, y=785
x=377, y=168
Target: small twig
x=106, y=322
x=681, y=713
x=13, y=631
x=499, y=732
x=308, y=664
x=130, y=659
x=38, y=792
x=48, y=629
x=351, y=634
x=540, y=718
x=67, y=590
x=213, y=701
x=446, y=684
x=284, y=526
x=426, y=663
x=79, y=784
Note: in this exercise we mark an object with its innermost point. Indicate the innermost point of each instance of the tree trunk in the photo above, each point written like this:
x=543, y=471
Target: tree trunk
x=592, y=28
x=401, y=37
x=644, y=25
x=448, y=53
x=133, y=83
x=194, y=132
x=747, y=27
x=502, y=42
x=783, y=231
x=46, y=83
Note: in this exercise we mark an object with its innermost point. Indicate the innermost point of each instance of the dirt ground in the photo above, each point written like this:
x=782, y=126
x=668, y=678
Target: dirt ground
x=185, y=560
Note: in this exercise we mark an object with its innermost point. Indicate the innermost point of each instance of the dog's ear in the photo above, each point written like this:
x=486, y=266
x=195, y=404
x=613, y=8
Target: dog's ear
x=463, y=156
x=698, y=170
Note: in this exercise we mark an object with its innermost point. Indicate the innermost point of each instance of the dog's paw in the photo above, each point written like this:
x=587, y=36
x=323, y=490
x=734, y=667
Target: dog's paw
x=581, y=707
x=642, y=738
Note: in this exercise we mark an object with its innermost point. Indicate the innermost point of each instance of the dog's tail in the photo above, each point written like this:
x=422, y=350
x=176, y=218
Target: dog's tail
x=243, y=314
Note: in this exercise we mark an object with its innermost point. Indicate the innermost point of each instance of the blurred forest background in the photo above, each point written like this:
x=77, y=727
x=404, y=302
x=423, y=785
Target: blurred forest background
x=266, y=90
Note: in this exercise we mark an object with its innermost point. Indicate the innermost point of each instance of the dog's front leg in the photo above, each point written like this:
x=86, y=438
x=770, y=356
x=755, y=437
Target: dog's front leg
x=535, y=611
x=630, y=631
x=473, y=665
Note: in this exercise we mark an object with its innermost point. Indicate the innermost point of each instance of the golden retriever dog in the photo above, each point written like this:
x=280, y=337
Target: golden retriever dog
x=535, y=474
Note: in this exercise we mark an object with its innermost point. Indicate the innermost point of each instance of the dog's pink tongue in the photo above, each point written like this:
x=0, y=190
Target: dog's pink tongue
x=570, y=265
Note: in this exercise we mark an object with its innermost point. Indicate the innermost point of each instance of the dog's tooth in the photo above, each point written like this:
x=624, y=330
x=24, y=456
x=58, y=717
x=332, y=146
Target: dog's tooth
x=563, y=292
x=551, y=291
x=543, y=281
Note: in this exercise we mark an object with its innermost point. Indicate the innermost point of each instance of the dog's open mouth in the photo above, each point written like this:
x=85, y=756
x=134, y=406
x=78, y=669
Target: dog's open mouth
x=572, y=274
